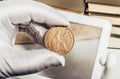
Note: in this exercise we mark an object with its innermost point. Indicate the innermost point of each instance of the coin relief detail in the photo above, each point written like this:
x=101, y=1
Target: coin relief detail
x=59, y=40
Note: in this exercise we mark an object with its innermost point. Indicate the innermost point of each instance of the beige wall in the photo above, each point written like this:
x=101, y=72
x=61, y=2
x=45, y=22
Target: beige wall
x=77, y=5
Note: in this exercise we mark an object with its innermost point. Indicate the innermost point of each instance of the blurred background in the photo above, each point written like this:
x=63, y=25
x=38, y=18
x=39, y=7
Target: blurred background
x=104, y=9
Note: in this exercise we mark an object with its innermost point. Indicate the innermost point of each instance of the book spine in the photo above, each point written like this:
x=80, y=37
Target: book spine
x=107, y=2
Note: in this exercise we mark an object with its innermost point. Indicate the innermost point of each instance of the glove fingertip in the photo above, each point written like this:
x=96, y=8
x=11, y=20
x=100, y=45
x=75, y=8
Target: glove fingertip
x=60, y=58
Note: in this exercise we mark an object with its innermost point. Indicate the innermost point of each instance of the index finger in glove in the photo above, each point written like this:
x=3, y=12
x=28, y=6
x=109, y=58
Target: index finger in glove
x=22, y=12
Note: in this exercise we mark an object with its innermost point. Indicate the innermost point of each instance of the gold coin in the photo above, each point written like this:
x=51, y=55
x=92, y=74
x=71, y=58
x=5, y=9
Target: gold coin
x=59, y=40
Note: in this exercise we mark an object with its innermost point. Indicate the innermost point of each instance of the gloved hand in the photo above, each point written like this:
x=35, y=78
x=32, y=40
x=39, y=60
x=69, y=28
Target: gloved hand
x=33, y=18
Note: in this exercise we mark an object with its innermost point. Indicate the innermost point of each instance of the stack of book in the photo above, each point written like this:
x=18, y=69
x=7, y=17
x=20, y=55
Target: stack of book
x=105, y=9
x=110, y=10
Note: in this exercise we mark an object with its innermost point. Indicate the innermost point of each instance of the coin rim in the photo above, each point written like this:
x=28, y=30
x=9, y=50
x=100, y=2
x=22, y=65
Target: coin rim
x=59, y=27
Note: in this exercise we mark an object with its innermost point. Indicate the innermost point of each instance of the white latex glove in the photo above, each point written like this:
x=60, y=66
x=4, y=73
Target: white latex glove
x=112, y=66
x=23, y=14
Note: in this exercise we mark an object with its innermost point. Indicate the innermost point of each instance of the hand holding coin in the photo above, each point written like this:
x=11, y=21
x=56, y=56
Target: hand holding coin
x=59, y=40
